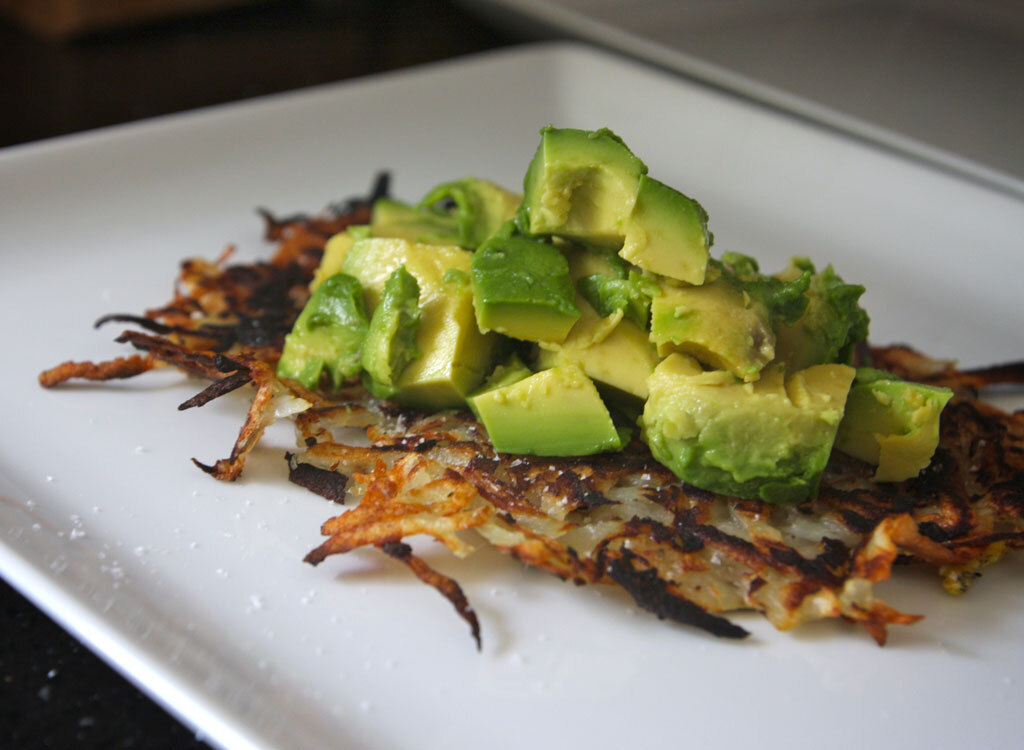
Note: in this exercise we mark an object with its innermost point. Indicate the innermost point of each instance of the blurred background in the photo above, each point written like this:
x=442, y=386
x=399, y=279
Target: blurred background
x=937, y=80
x=72, y=65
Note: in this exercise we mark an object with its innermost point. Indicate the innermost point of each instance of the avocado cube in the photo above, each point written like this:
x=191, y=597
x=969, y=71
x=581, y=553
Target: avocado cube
x=667, y=233
x=594, y=261
x=556, y=412
x=833, y=323
x=769, y=440
x=611, y=350
x=580, y=184
x=522, y=288
x=335, y=250
x=454, y=354
x=632, y=295
x=391, y=218
x=510, y=372
x=372, y=260
x=716, y=323
x=481, y=208
x=329, y=333
x=891, y=423
x=390, y=343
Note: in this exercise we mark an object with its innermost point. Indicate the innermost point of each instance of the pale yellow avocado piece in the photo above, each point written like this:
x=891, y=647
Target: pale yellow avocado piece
x=610, y=350
x=333, y=258
x=454, y=355
x=580, y=184
x=391, y=218
x=372, y=260
x=497, y=204
x=767, y=440
x=716, y=323
x=480, y=208
x=893, y=424
x=530, y=325
x=667, y=233
x=588, y=262
x=899, y=456
x=556, y=412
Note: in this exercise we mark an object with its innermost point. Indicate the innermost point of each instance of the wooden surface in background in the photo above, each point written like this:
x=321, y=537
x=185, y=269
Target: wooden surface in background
x=64, y=18
x=54, y=87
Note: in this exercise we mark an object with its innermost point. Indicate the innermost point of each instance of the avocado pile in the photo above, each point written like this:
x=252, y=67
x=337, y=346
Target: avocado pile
x=590, y=307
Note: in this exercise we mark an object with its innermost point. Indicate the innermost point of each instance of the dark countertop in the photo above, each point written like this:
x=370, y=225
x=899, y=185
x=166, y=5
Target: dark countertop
x=54, y=692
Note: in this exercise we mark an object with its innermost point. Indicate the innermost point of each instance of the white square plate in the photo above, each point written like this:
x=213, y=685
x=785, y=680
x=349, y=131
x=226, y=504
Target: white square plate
x=196, y=589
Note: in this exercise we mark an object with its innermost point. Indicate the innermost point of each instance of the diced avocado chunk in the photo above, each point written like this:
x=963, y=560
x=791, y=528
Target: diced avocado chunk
x=521, y=288
x=831, y=326
x=555, y=412
x=588, y=186
x=784, y=298
x=716, y=323
x=611, y=350
x=329, y=333
x=511, y=371
x=632, y=295
x=391, y=339
x=455, y=355
x=334, y=254
x=372, y=260
x=667, y=233
x=388, y=211
x=728, y=322
x=769, y=440
x=461, y=212
x=580, y=184
x=608, y=283
x=481, y=208
x=891, y=423
x=391, y=218
x=593, y=261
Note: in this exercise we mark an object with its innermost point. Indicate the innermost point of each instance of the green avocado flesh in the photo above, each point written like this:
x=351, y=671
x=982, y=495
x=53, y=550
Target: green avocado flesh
x=891, y=423
x=510, y=372
x=611, y=350
x=391, y=339
x=392, y=218
x=555, y=412
x=461, y=212
x=454, y=355
x=580, y=184
x=594, y=296
x=335, y=250
x=716, y=323
x=768, y=440
x=481, y=208
x=667, y=233
x=588, y=186
x=832, y=324
x=632, y=295
x=328, y=334
x=521, y=288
